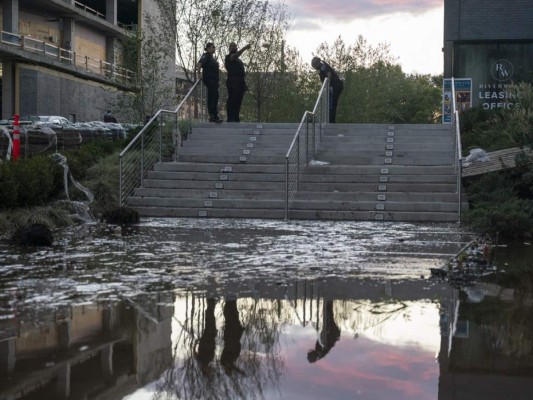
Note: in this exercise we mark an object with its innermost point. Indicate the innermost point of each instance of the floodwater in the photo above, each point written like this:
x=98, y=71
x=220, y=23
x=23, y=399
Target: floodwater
x=256, y=309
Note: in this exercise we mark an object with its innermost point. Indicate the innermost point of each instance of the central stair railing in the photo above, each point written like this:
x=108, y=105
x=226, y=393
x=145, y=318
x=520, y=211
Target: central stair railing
x=159, y=140
x=305, y=143
x=458, y=149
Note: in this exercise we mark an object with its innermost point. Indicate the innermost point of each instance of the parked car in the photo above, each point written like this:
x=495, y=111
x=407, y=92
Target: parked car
x=53, y=119
x=25, y=119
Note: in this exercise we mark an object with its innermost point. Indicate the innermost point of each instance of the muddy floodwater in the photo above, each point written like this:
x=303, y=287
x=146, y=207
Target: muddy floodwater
x=256, y=309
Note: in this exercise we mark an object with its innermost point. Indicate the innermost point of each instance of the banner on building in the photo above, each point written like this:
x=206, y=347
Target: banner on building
x=463, y=97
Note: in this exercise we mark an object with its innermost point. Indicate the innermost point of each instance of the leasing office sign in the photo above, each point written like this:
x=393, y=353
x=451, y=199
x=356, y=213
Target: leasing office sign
x=497, y=94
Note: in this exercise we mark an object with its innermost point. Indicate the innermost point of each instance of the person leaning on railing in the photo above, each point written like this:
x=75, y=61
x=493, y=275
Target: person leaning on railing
x=336, y=85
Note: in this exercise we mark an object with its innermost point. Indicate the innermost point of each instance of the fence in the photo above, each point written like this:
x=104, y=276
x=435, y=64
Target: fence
x=159, y=140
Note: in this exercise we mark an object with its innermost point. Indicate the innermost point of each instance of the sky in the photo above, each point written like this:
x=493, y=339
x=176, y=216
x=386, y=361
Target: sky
x=412, y=28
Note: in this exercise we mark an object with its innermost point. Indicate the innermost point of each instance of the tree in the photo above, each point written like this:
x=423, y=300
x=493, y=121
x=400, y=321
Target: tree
x=376, y=90
x=361, y=54
x=261, y=24
x=147, y=52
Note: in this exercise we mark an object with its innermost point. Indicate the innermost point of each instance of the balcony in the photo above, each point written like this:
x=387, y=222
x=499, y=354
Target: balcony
x=41, y=51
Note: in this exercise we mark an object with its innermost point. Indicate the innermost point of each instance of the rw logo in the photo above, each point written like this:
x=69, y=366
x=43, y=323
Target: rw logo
x=502, y=70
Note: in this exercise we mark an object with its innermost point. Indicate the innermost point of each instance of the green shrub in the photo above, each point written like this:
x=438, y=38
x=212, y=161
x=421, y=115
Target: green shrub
x=38, y=180
x=28, y=182
x=79, y=160
x=8, y=186
x=512, y=218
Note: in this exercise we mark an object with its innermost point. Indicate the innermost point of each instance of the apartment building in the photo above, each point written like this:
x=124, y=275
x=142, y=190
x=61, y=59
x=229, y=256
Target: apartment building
x=490, y=42
x=66, y=57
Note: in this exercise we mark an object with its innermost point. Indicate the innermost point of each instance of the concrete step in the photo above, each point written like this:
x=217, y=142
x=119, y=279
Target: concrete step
x=383, y=143
x=232, y=159
x=170, y=212
x=376, y=196
x=244, y=144
x=375, y=169
x=220, y=167
x=371, y=160
x=162, y=176
x=210, y=194
x=381, y=179
x=385, y=187
x=373, y=215
x=192, y=202
x=414, y=153
x=274, y=185
x=240, y=150
x=374, y=206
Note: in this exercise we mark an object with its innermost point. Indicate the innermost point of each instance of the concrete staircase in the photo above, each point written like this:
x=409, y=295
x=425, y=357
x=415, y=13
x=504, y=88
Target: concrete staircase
x=374, y=172
x=231, y=170
x=381, y=172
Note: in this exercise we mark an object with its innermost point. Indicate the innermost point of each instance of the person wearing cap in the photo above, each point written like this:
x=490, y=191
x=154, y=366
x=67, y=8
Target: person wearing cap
x=208, y=70
x=335, y=83
x=109, y=117
x=235, y=82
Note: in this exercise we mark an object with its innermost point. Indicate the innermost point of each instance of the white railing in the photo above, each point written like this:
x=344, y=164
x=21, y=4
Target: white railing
x=99, y=67
x=458, y=149
x=305, y=143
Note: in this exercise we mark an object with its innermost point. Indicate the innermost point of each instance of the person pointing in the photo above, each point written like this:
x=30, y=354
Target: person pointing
x=235, y=82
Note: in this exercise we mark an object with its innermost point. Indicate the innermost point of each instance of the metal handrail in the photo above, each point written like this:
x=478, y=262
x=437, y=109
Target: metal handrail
x=458, y=149
x=158, y=141
x=304, y=146
x=46, y=49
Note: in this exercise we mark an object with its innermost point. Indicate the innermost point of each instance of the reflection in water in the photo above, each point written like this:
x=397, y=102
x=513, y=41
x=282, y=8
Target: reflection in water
x=233, y=331
x=327, y=339
x=329, y=335
x=206, y=344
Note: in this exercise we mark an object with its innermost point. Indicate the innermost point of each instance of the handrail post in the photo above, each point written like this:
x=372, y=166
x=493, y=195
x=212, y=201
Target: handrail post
x=120, y=181
x=161, y=137
x=314, y=136
x=307, y=140
x=142, y=159
x=297, y=161
x=286, y=188
x=459, y=188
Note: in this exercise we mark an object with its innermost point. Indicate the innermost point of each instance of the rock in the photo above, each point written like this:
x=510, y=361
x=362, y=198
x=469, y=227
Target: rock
x=33, y=235
x=121, y=216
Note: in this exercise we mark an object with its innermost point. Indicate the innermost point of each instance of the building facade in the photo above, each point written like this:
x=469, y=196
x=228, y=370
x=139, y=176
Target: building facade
x=491, y=42
x=66, y=57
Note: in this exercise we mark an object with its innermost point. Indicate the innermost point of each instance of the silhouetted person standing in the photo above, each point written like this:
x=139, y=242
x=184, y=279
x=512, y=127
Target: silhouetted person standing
x=335, y=83
x=208, y=69
x=235, y=82
x=329, y=334
x=232, y=337
x=207, y=344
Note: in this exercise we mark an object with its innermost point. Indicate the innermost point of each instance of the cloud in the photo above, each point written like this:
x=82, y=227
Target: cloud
x=305, y=25
x=348, y=10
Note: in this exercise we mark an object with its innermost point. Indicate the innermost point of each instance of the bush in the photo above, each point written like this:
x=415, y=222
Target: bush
x=512, y=218
x=80, y=160
x=38, y=180
x=29, y=182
